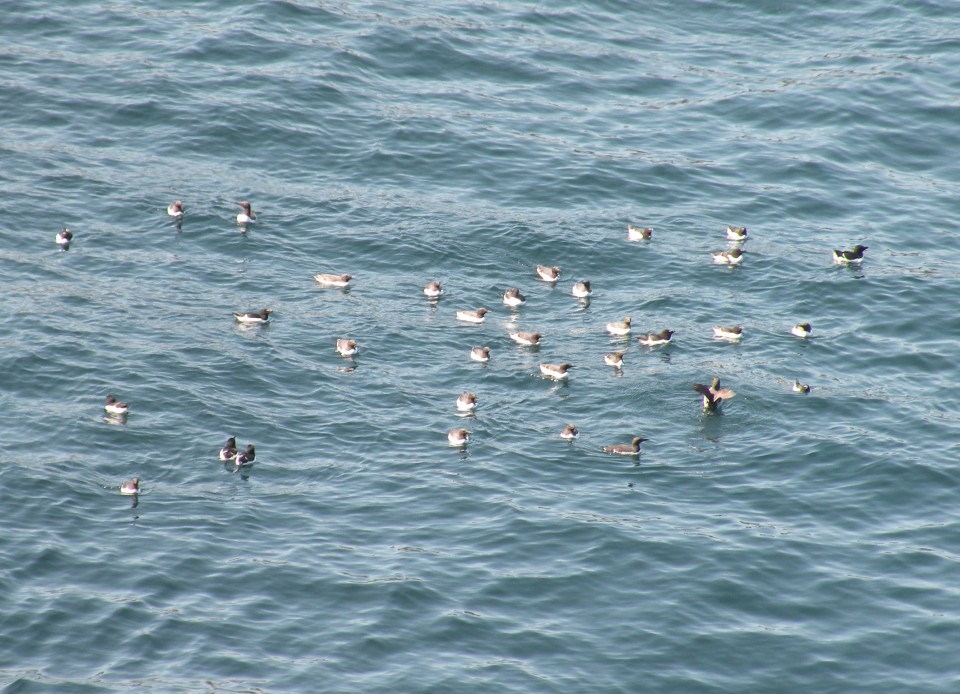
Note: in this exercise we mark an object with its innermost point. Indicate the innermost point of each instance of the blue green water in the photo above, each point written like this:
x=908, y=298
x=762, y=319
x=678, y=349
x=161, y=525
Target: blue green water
x=800, y=543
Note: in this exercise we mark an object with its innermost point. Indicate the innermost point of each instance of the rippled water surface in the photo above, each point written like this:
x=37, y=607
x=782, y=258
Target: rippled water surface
x=789, y=542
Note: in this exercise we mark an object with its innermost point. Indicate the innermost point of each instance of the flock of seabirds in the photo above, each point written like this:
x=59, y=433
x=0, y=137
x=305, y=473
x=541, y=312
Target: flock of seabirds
x=712, y=395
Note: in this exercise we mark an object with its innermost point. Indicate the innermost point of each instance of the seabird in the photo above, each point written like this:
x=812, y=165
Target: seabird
x=64, y=237
x=248, y=215
x=331, y=280
x=466, y=402
x=736, y=233
x=569, y=432
x=621, y=328
x=732, y=332
x=615, y=360
x=800, y=387
x=472, y=316
x=433, y=290
x=526, y=339
x=229, y=450
x=131, y=486
x=713, y=394
x=261, y=316
x=113, y=406
x=852, y=257
x=458, y=437
x=802, y=329
x=346, y=348
x=480, y=354
x=581, y=290
x=633, y=448
x=513, y=297
x=548, y=274
x=654, y=339
x=556, y=371
x=247, y=456
x=635, y=233
x=175, y=209
x=733, y=257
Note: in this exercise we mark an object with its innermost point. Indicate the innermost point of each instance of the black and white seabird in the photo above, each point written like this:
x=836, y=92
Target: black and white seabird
x=131, y=486
x=548, y=274
x=526, y=339
x=619, y=328
x=556, y=371
x=472, y=316
x=229, y=450
x=851, y=257
x=732, y=257
x=713, y=395
x=654, y=339
x=261, y=316
x=247, y=215
x=736, y=233
x=513, y=297
x=246, y=457
x=326, y=279
x=632, y=448
x=113, y=406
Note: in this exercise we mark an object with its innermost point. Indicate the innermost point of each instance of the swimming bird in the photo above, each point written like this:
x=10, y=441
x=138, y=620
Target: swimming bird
x=175, y=209
x=458, y=437
x=330, y=280
x=548, y=274
x=480, y=354
x=615, y=360
x=569, y=432
x=466, y=402
x=131, y=486
x=472, y=316
x=229, y=450
x=733, y=257
x=64, y=237
x=247, y=456
x=261, y=316
x=556, y=371
x=633, y=448
x=639, y=233
x=736, y=233
x=621, y=328
x=513, y=297
x=526, y=339
x=852, y=257
x=732, y=332
x=802, y=329
x=248, y=215
x=114, y=406
x=346, y=348
x=582, y=290
x=713, y=395
x=800, y=387
x=433, y=290
x=654, y=339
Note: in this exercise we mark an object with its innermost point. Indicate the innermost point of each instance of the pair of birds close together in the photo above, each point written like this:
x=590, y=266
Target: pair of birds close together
x=230, y=452
x=625, y=327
